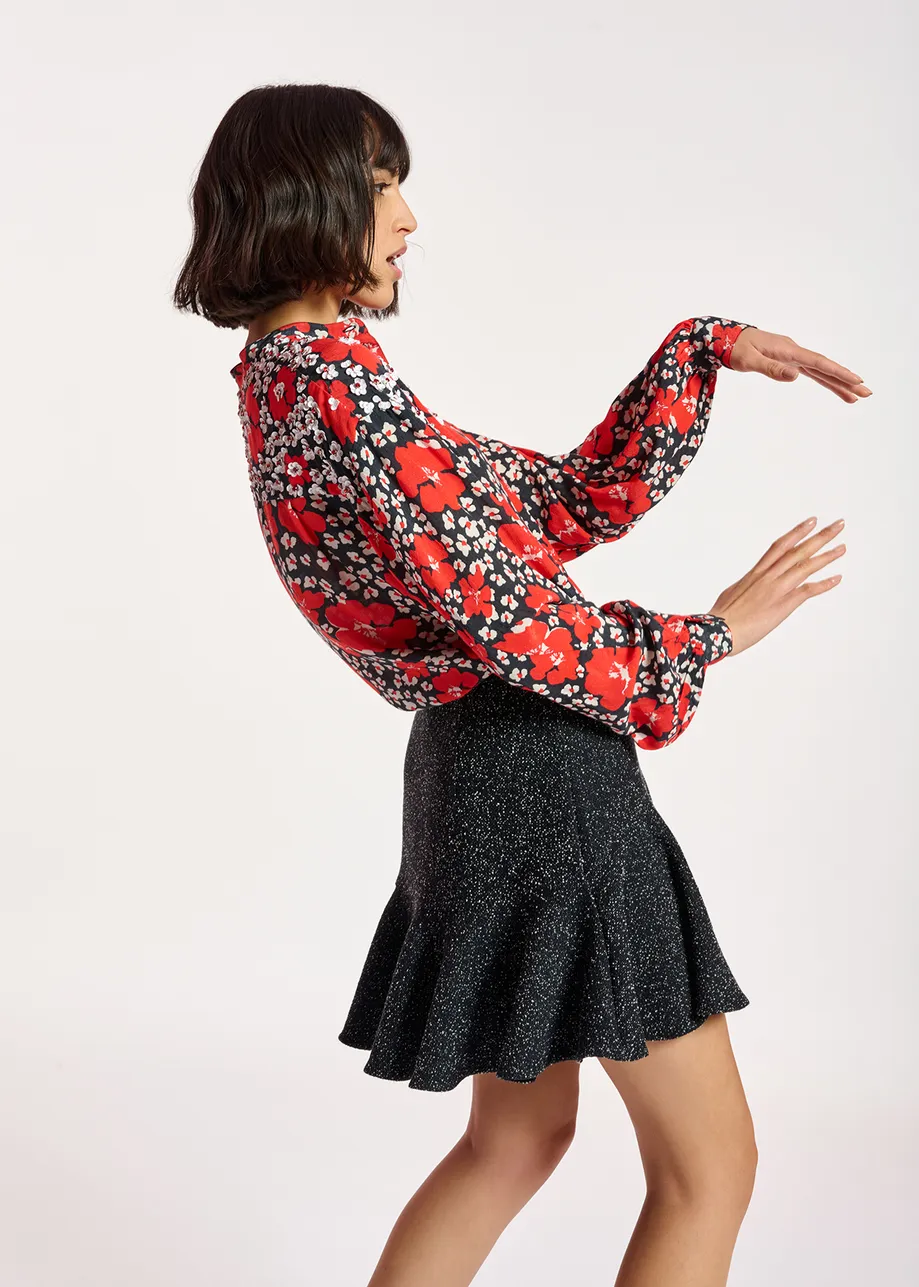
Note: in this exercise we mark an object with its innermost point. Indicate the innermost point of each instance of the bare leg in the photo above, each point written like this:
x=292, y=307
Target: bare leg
x=516, y=1136
x=698, y=1150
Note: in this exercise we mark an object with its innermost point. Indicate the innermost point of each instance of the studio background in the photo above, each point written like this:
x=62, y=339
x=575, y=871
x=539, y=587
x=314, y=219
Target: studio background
x=201, y=813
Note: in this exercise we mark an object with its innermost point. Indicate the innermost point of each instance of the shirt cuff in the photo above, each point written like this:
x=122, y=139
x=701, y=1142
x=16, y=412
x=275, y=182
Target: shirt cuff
x=717, y=640
x=717, y=335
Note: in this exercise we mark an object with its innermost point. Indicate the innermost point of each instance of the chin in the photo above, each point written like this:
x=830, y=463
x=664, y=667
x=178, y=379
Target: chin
x=379, y=300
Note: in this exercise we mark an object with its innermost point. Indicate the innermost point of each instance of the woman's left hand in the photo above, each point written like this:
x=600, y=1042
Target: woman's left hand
x=782, y=359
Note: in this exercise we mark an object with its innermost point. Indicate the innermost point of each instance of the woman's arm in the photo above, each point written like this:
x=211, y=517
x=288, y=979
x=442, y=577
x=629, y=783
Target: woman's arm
x=598, y=491
x=453, y=536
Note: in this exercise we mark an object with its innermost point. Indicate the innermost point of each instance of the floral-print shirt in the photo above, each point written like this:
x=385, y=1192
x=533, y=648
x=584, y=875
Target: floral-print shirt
x=429, y=557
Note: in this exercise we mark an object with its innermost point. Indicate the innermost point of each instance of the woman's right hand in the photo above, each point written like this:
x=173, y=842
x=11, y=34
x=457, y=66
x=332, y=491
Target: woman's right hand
x=775, y=586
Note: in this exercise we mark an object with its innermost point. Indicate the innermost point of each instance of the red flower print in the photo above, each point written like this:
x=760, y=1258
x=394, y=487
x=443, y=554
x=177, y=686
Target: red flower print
x=296, y=470
x=611, y=675
x=602, y=438
x=377, y=541
x=549, y=651
x=425, y=472
x=630, y=448
x=256, y=441
x=675, y=635
x=685, y=407
x=430, y=556
x=454, y=683
x=520, y=540
x=296, y=518
x=656, y=716
x=580, y=618
x=369, y=627
x=282, y=393
x=565, y=528
x=508, y=500
x=660, y=411
x=624, y=502
x=271, y=526
x=413, y=669
x=599, y=442
x=338, y=350
x=674, y=408
x=336, y=409
x=254, y=435
x=308, y=601
x=605, y=436
x=476, y=595
x=723, y=340
x=538, y=597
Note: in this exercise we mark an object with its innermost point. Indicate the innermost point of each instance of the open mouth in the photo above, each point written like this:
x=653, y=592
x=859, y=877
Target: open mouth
x=393, y=262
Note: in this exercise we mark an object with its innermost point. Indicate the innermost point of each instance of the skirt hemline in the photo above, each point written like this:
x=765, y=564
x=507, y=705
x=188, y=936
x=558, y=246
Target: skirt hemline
x=417, y=1082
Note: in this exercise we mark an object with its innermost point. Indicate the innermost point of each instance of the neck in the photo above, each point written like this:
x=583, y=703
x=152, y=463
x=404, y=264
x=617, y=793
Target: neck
x=322, y=308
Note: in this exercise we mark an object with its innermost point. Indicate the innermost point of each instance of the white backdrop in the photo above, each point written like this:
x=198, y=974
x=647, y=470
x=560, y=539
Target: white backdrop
x=201, y=804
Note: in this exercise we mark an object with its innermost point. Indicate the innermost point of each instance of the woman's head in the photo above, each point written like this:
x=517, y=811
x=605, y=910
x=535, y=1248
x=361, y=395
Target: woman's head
x=297, y=198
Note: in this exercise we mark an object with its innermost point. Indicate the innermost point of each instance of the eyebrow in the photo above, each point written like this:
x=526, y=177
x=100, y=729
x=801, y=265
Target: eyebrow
x=385, y=170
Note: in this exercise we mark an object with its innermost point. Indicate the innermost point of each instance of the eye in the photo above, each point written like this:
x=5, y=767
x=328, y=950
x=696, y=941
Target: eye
x=381, y=184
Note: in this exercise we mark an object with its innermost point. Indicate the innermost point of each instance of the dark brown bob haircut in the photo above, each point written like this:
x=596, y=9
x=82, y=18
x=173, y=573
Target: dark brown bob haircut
x=284, y=202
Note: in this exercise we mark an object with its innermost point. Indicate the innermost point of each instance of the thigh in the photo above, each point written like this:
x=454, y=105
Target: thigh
x=543, y=1109
x=688, y=1107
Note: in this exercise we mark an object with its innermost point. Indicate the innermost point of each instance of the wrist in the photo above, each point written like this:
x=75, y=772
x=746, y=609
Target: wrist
x=716, y=337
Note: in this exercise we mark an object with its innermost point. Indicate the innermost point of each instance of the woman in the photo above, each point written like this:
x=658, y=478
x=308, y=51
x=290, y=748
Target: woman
x=543, y=911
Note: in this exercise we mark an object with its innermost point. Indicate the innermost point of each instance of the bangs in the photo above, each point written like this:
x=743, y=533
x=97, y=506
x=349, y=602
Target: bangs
x=386, y=147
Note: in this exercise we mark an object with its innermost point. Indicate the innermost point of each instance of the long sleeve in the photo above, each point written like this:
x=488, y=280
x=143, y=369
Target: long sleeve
x=449, y=532
x=599, y=490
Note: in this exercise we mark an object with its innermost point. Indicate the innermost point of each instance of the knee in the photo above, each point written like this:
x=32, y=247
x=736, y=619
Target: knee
x=521, y=1152
x=738, y=1173
x=720, y=1177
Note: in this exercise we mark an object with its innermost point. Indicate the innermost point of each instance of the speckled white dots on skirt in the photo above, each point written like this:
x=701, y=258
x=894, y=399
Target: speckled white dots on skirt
x=543, y=909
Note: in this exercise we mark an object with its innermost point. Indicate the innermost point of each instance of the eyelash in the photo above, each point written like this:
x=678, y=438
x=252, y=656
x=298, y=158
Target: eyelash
x=382, y=184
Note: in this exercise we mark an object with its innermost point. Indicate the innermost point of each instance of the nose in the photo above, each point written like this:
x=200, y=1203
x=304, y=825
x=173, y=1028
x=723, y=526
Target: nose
x=405, y=220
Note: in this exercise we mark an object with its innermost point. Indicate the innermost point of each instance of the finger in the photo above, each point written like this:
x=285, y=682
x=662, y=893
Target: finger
x=816, y=587
x=779, y=547
x=801, y=571
x=803, y=551
x=822, y=365
x=778, y=369
x=847, y=392
x=798, y=560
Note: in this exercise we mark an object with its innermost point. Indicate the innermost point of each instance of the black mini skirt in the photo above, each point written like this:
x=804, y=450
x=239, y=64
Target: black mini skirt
x=543, y=910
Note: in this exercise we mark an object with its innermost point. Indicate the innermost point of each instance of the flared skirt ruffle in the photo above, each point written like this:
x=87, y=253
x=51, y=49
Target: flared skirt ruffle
x=543, y=910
